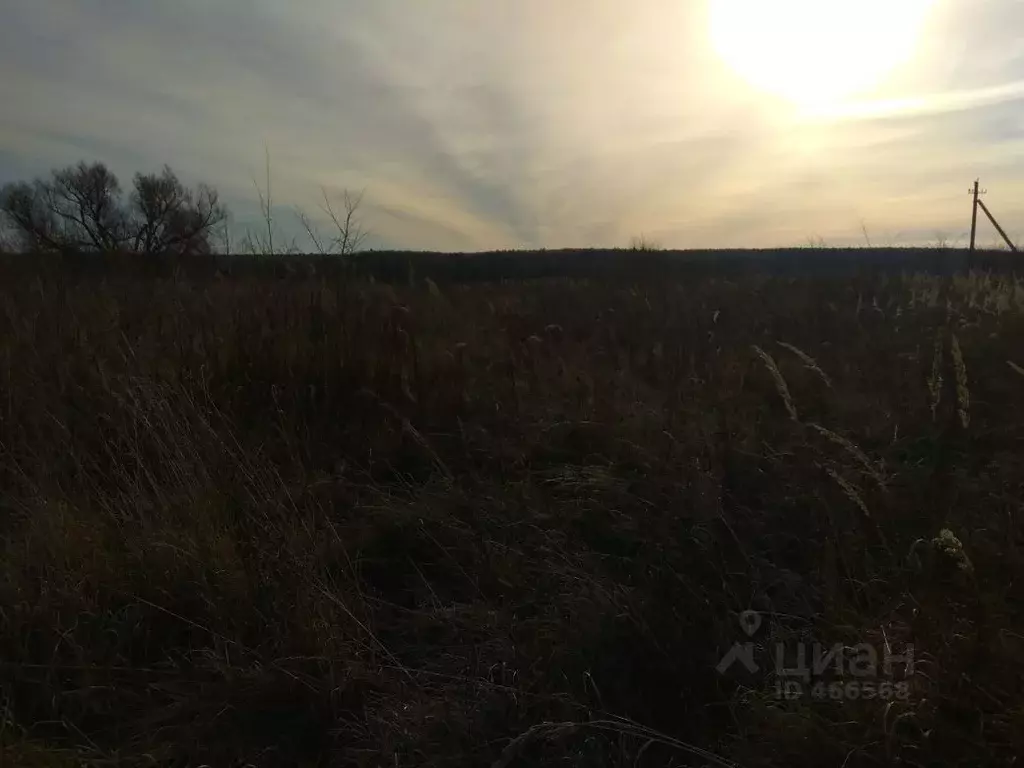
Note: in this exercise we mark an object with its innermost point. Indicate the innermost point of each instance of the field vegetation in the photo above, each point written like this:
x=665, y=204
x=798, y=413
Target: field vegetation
x=305, y=517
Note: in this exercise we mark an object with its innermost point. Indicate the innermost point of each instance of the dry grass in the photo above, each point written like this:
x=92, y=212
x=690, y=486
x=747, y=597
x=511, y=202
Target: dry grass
x=303, y=522
x=963, y=392
x=780, y=382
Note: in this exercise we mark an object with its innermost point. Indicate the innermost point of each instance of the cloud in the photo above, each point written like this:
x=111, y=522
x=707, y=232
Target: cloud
x=509, y=124
x=933, y=104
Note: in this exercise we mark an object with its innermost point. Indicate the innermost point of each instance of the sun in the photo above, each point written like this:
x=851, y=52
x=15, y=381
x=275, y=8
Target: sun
x=815, y=53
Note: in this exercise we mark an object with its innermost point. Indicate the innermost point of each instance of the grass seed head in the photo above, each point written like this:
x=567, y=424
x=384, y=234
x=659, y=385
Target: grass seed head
x=861, y=458
x=963, y=393
x=809, y=362
x=849, y=490
x=935, y=378
x=780, y=382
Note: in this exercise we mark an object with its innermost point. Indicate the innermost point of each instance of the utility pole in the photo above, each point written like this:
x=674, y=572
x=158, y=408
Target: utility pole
x=1009, y=243
x=974, y=213
x=977, y=203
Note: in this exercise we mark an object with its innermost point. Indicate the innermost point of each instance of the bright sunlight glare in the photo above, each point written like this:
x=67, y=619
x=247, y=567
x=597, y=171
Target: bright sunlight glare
x=816, y=53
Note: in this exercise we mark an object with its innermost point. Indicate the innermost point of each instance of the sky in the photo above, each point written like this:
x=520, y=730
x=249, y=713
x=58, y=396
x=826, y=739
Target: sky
x=492, y=124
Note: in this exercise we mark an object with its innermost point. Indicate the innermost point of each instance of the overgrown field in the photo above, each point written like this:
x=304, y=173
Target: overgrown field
x=305, y=522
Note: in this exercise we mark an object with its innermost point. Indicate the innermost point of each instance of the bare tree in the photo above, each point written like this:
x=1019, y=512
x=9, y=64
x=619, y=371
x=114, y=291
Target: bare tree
x=260, y=242
x=80, y=208
x=27, y=216
x=348, y=234
x=6, y=239
x=641, y=243
x=166, y=217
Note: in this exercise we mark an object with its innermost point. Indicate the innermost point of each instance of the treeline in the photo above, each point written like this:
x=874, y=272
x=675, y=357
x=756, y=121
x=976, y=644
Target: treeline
x=83, y=210
x=80, y=221
x=410, y=267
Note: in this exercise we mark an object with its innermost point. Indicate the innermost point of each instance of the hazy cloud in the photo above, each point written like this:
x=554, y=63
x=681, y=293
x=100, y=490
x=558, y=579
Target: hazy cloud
x=512, y=123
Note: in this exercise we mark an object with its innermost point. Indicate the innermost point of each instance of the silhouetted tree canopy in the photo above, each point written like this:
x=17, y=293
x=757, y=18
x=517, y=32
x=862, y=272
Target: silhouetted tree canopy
x=82, y=208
